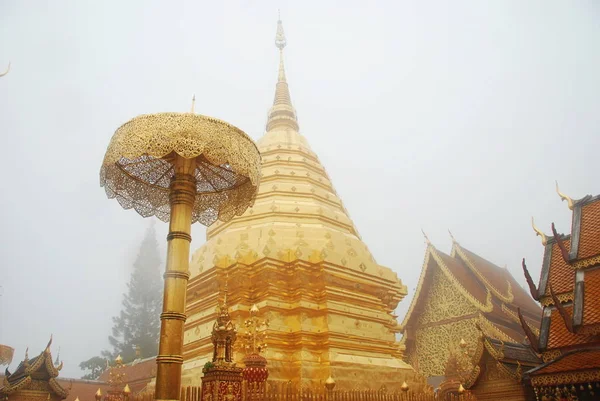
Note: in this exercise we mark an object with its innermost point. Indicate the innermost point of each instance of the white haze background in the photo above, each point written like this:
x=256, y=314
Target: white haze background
x=427, y=114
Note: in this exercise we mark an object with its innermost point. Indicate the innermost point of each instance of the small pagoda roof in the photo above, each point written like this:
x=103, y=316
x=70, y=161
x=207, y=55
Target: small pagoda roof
x=40, y=367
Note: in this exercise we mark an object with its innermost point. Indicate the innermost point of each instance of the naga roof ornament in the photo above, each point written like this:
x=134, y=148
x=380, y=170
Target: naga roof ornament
x=564, y=197
x=539, y=232
x=7, y=70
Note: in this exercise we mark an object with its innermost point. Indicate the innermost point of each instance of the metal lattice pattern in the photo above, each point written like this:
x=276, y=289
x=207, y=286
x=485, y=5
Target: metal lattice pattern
x=137, y=169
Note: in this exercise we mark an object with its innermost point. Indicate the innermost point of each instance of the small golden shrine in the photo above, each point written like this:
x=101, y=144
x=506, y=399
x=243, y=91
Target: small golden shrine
x=298, y=256
x=222, y=380
x=34, y=380
x=569, y=290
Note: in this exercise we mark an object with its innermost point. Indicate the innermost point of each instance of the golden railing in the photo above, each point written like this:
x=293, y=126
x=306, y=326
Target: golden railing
x=286, y=392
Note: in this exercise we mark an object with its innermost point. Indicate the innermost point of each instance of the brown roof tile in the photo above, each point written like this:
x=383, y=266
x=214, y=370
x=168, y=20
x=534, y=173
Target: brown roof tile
x=559, y=336
x=591, y=306
x=500, y=278
x=561, y=275
x=84, y=389
x=494, y=275
x=584, y=359
x=465, y=277
x=589, y=237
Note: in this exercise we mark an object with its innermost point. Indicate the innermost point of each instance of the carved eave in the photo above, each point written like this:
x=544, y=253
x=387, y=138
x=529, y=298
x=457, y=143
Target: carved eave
x=532, y=288
x=533, y=339
x=567, y=319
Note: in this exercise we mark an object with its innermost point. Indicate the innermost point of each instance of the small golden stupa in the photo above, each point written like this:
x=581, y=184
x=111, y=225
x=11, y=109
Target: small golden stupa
x=297, y=255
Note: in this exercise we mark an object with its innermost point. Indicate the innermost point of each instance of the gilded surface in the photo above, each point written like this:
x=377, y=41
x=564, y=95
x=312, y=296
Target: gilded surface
x=433, y=344
x=444, y=301
x=137, y=168
x=297, y=255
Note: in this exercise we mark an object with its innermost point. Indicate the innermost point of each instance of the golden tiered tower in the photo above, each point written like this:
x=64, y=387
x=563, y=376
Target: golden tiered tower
x=297, y=255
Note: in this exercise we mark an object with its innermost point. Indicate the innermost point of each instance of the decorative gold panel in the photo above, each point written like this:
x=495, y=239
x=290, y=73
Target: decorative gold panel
x=444, y=302
x=434, y=343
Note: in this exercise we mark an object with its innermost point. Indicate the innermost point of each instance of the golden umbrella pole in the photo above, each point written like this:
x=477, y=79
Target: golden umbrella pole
x=170, y=352
x=182, y=168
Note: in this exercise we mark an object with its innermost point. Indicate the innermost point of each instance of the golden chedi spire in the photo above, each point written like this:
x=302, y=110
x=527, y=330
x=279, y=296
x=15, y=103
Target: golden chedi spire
x=298, y=254
x=282, y=114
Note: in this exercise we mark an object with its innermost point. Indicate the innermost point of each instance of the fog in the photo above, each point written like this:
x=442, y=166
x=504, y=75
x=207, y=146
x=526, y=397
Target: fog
x=430, y=115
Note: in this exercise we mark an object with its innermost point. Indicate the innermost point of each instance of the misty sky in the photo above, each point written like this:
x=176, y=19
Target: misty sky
x=427, y=114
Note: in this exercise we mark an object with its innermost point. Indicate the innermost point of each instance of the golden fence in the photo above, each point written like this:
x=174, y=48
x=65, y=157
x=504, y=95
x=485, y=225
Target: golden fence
x=285, y=392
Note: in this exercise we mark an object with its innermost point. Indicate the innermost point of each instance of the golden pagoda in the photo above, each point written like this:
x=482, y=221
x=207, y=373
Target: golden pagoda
x=297, y=255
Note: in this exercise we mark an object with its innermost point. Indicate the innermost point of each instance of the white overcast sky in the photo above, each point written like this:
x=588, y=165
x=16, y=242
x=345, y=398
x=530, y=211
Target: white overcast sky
x=426, y=114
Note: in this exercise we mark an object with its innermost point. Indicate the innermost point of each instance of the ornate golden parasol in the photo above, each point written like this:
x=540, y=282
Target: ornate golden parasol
x=6, y=354
x=182, y=168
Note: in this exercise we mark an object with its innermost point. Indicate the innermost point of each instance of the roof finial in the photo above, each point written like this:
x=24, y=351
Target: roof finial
x=57, y=361
x=426, y=237
x=193, y=103
x=539, y=232
x=7, y=70
x=452, y=236
x=564, y=197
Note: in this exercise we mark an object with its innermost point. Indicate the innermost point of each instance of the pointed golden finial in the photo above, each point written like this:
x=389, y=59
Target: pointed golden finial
x=426, y=238
x=193, y=104
x=539, y=232
x=7, y=70
x=280, y=41
x=126, y=389
x=76, y=398
x=452, y=236
x=119, y=360
x=26, y=355
x=404, y=386
x=254, y=310
x=462, y=343
x=98, y=395
x=461, y=389
x=564, y=197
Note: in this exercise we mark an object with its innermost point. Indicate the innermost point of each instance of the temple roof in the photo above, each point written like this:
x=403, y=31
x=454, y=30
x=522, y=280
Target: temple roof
x=297, y=215
x=488, y=287
x=570, y=281
x=137, y=373
x=39, y=368
x=564, y=254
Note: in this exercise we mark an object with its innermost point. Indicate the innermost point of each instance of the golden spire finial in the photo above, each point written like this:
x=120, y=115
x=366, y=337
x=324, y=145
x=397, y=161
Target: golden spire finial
x=193, y=103
x=254, y=309
x=539, y=232
x=452, y=236
x=462, y=343
x=282, y=114
x=7, y=70
x=564, y=197
x=426, y=238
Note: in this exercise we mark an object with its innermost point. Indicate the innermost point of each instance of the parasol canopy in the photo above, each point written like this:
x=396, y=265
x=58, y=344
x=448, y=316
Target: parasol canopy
x=6, y=354
x=139, y=164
